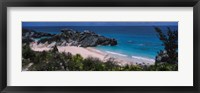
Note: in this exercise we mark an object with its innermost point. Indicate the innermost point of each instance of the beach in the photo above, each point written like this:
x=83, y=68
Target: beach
x=92, y=52
x=99, y=46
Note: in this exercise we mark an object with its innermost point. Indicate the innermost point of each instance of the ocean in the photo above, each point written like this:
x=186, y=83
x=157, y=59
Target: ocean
x=133, y=41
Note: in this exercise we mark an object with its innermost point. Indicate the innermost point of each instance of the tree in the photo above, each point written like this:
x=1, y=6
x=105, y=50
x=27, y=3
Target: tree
x=170, y=43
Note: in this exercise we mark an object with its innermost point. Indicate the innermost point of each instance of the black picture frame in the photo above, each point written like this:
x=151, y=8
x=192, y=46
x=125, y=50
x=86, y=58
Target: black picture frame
x=101, y=3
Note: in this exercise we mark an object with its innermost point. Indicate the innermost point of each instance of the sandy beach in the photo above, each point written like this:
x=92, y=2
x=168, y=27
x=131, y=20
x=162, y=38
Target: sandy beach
x=92, y=52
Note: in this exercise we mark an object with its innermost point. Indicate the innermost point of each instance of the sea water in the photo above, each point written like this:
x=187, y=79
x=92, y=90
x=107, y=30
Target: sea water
x=133, y=41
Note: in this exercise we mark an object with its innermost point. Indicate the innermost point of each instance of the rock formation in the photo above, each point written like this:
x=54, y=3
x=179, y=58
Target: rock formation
x=82, y=39
x=28, y=35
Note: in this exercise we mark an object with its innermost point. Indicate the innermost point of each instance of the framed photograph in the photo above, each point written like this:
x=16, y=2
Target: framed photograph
x=100, y=46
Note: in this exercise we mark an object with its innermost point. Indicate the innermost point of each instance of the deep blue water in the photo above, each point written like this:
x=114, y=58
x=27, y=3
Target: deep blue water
x=139, y=41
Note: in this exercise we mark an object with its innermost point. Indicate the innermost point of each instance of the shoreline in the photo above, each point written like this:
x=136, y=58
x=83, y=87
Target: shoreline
x=93, y=52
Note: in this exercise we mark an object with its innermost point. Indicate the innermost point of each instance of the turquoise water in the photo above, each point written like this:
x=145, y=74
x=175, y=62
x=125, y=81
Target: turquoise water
x=133, y=41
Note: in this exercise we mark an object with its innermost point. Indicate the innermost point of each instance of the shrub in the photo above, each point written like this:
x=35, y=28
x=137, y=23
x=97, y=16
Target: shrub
x=27, y=53
x=93, y=64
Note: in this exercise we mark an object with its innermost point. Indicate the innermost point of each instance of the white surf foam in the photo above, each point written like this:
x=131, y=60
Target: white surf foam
x=142, y=58
x=116, y=53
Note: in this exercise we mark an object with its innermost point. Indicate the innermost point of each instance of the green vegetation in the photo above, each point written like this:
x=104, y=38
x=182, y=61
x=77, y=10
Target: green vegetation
x=170, y=43
x=55, y=61
x=167, y=59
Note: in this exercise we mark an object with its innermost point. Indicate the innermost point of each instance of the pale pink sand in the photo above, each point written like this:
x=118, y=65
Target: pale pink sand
x=91, y=52
x=84, y=52
x=39, y=47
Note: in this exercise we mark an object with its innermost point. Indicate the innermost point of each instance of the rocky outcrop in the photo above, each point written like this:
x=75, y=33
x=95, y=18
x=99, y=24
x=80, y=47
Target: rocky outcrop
x=28, y=35
x=162, y=57
x=75, y=38
x=26, y=40
x=34, y=34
